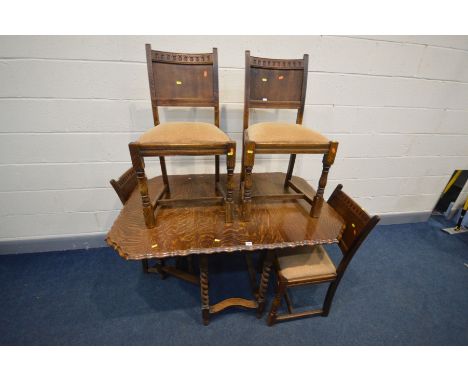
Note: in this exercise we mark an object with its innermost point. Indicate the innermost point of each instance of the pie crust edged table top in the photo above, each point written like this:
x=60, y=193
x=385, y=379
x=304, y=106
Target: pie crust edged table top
x=185, y=230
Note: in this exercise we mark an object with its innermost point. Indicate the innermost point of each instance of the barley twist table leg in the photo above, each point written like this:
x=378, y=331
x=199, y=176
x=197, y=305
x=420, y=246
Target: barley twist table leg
x=204, y=289
x=264, y=284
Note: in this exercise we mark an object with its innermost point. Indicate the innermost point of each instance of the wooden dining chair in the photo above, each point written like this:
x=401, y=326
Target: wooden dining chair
x=280, y=84
x=312, y=265
x=124, y=186
x=186, y=80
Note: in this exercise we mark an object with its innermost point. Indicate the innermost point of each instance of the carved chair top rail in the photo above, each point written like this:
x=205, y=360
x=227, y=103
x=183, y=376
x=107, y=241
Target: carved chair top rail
x=277, y=63
x=358, y=222
x=182, y=58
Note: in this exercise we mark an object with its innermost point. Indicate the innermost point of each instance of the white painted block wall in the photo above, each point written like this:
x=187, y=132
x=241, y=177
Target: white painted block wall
x=398, y=105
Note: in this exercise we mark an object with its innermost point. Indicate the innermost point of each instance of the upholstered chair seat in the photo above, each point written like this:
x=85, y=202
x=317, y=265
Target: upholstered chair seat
x=306, y=263
x=184, y=133
x=287, y=133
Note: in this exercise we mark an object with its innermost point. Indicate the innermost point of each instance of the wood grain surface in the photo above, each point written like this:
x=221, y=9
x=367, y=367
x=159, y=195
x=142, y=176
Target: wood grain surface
x=181, y=231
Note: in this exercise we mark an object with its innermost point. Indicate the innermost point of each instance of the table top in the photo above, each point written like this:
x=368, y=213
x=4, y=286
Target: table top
x=181, y=231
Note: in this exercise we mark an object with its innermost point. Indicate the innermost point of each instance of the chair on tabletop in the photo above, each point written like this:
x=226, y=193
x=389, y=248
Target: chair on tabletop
x=185, y=80
x=280, y=84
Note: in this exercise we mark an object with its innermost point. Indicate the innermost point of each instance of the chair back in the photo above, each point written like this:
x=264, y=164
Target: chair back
x=275, y=84
x=125, y=185
x=183, y=79
x=358, y=224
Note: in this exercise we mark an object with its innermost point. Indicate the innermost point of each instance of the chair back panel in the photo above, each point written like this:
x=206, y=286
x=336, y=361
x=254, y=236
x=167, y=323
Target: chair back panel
x=125, y=185
x=183, y=83
x=182, y=79
x=358, y=223
x=275, y=84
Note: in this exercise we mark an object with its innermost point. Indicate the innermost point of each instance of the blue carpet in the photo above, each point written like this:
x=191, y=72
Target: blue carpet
x=407, y=286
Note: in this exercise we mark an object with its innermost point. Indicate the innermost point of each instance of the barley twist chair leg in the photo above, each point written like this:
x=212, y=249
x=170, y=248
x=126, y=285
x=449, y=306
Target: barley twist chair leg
x=205, y=299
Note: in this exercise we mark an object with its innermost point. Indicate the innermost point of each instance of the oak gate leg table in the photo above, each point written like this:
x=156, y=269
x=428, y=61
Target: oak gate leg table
x=201, y=230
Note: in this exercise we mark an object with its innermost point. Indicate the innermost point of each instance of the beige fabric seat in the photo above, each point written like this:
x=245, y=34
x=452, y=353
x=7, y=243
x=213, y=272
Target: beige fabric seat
x=306, y=263
x=287, y=133
x=184, y=133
